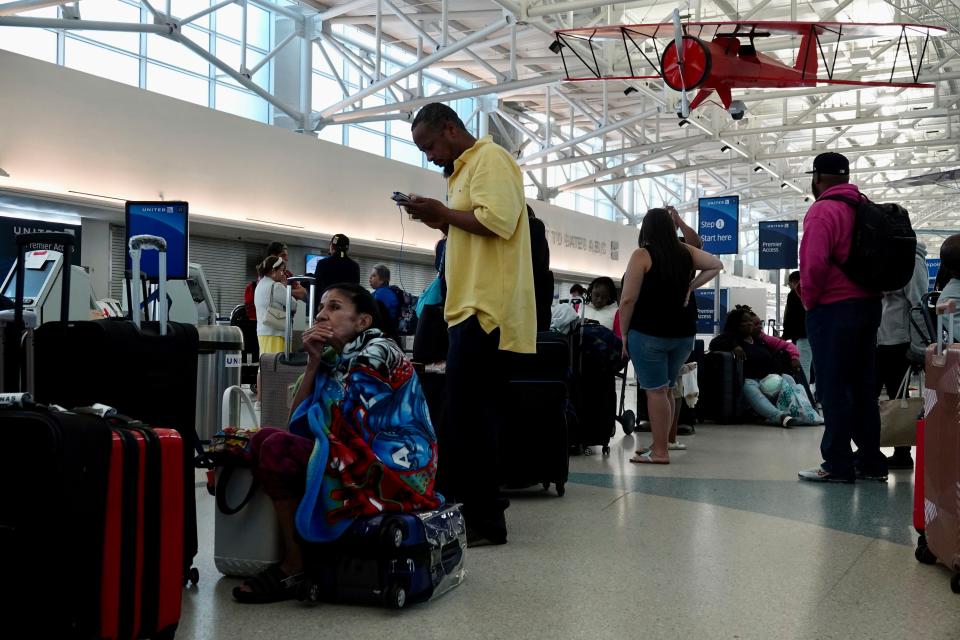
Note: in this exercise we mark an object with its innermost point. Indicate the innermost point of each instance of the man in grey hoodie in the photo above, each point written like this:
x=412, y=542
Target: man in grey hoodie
x=893, y=341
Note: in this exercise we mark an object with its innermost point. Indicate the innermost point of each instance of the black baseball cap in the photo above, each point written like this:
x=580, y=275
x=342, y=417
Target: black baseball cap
x=830, y=163
x=340, y=242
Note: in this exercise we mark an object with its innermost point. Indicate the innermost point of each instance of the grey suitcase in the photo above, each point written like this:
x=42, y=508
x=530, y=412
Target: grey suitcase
x=279, y=372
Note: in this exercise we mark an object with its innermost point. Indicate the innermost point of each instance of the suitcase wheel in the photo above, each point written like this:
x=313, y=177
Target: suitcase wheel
x=392, y=535
x=606, y=450
x=309, y=591
x=561, y=489
x=628, y=420
x=396, y=597
x=955, y=583
x=923, y=553
x=192, y=577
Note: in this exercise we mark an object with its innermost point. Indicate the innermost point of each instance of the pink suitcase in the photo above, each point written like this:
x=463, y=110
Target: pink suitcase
x=940, y=464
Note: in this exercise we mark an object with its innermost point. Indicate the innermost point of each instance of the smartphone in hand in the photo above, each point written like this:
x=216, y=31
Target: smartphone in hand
x=400, y=198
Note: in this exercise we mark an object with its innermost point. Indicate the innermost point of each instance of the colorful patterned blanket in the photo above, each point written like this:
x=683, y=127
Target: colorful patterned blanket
x=375, y=449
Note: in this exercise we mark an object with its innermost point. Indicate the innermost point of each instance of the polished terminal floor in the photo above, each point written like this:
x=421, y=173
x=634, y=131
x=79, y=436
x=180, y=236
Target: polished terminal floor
x=724, y=542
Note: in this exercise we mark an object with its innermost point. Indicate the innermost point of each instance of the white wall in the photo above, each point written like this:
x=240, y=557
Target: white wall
x=64, y=131
x=95, y=254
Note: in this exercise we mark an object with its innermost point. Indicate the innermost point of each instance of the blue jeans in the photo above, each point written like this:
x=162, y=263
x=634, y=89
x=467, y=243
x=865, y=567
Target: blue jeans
x=657, y=361
x=760, y=403
x=843, y=336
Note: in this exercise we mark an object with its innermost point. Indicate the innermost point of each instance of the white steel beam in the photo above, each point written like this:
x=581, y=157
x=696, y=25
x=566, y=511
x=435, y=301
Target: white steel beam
x=86, y=25
x=413, y=68
x=484, y=15
x=347, y=7
x=340, y=118
x=625, y=122
x=12, y=8
x=238, y=77
x=207, y=11
x=590, y=180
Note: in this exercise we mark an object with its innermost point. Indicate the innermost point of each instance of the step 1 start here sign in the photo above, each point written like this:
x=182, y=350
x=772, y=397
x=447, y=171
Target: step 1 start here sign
x=719, y=224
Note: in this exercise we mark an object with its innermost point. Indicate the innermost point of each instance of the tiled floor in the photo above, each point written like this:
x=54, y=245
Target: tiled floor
x=725, y=542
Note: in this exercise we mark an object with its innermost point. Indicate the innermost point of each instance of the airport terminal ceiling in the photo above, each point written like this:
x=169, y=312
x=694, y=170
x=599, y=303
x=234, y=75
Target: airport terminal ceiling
x=620, y=141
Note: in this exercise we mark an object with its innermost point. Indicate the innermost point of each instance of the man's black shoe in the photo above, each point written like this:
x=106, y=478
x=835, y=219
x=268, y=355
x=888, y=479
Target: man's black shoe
x=876, y=476
x=900, y=462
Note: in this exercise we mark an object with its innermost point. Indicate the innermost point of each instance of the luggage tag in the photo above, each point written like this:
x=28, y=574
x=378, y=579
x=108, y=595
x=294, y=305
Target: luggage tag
x=19, y=400
x=97, y=409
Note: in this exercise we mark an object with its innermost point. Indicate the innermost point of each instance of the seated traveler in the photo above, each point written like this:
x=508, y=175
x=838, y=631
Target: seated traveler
x=360, y=403
x=770, y=392
x=602, y=307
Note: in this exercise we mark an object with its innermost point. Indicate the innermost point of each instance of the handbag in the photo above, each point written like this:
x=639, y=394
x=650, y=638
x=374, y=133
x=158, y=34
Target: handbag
x=898, y=416
x=276, y=316
x=230, y=449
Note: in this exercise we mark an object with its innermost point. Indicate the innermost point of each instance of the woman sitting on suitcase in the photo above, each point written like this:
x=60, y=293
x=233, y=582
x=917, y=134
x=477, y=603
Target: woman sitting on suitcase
x=360, y=440
x=774, y=396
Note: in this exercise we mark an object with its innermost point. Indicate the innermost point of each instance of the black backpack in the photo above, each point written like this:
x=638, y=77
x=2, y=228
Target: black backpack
x=883, y=247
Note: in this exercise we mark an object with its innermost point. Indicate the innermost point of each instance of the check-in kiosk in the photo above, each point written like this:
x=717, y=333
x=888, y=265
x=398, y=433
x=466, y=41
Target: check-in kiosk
x=42, y=284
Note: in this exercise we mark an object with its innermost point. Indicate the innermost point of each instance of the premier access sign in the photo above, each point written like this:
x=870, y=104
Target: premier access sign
x=778, y=244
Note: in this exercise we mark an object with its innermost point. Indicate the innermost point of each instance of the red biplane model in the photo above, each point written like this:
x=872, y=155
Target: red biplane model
x=721, y=56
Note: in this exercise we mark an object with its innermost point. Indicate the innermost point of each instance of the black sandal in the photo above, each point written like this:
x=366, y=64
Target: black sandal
x=270, y=585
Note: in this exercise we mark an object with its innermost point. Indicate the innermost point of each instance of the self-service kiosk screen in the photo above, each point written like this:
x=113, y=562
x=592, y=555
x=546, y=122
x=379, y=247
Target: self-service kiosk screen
x=312, y=260
x=167, y=220
x=32, y=282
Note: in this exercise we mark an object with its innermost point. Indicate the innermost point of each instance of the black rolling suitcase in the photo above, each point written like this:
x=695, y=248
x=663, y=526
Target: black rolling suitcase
x=54, y=468
x=596, y=362
x=148, y=371
x=534, y=444
x=720, y=378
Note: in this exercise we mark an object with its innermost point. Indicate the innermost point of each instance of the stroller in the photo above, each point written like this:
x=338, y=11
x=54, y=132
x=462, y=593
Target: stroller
x=627, y=418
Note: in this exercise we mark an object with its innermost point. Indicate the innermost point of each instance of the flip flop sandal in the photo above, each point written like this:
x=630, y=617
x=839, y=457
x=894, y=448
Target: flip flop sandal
x=270, y=585
x=671, y=446
x=645, y=458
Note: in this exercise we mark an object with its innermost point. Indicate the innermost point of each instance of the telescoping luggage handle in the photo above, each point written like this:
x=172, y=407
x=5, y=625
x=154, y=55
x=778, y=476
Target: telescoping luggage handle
x=306, y=281
x=945, y=309
x=137, y=245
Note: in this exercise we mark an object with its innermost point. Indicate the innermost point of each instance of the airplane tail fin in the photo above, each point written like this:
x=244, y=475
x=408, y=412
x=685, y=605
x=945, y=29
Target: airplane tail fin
x=807, y=56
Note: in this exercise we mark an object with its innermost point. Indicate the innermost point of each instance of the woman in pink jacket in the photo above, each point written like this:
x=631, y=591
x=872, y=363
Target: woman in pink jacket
x=759, y=353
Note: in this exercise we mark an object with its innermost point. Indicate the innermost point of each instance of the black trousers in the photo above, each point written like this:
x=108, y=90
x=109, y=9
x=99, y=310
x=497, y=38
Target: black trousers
x=468, y=457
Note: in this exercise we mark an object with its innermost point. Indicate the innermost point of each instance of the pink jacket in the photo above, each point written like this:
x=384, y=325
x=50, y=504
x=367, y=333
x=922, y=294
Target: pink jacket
x=775, y=344
x=827, y=233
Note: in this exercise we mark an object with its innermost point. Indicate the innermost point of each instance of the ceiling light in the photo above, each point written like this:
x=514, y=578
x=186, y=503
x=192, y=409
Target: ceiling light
x=555, y=46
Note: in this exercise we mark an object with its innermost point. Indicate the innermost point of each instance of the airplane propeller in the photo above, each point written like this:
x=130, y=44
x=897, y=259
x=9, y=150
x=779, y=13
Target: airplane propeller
x=678, y=43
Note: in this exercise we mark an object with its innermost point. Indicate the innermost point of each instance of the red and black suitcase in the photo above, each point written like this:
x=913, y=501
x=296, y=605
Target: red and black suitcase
x=99, y=526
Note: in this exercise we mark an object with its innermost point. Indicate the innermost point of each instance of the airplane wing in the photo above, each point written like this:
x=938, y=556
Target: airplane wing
x=947, y=178
x=757, y=29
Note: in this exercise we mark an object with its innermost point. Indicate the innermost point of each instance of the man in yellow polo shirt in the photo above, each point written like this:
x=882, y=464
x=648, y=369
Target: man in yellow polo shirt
x=490, y=305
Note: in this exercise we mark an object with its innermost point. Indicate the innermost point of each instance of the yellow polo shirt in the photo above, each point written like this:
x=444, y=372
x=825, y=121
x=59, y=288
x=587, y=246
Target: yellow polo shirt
x=491, y=277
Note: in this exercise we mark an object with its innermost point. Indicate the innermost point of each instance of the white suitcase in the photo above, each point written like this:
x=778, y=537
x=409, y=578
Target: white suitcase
x=248, y=541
